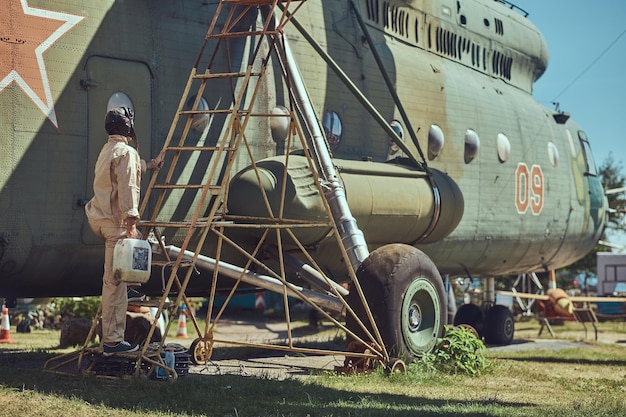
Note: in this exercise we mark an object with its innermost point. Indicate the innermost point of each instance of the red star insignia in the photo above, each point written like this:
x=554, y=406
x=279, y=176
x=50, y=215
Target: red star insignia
x=25, y=34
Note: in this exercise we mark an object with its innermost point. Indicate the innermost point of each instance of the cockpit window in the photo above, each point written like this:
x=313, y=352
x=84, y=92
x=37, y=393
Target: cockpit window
x=591, y=164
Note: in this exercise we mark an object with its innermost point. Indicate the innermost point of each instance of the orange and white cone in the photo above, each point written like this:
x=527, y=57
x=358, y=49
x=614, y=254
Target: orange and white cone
x=181, y=332
x=552, y=280
x=5, y=327
x=259, y=301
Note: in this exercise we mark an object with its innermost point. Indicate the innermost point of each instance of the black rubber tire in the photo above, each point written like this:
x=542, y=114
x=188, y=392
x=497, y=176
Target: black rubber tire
x=499, y=326
x=406, y=295
x=470, y=314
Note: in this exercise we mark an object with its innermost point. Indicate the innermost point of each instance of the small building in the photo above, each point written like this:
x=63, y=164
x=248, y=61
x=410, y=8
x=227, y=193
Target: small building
x=611, y=271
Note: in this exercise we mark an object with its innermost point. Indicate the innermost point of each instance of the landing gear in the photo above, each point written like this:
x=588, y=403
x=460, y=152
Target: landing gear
x=498, y=326
x=406, y=295
x=470, y=315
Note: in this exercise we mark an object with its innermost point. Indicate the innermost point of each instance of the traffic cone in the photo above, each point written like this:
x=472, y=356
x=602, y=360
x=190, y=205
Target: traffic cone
x=552, y=280
x=5, y=327
x=181, y=332
x=259, y=301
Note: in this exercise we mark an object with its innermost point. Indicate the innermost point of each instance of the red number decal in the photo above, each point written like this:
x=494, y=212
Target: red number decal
x=528, y=189
x=521, y=188
x=536, y=189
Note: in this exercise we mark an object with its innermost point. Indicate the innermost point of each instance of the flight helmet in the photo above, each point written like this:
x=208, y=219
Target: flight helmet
x=120, y=121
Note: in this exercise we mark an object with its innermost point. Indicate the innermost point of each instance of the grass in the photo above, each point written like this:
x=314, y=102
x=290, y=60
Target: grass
x=584, y=381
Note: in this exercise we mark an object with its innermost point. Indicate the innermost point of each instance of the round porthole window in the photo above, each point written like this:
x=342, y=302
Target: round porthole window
x=279, y=124
x=503, y=147
x=393, y=147
x=119, y=99
x=332, y=128
x=436, y=141
x=472, y=143
x=199, y=121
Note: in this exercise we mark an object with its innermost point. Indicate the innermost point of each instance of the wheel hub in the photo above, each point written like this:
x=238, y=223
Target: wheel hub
x=415, y=317
x=420, y=316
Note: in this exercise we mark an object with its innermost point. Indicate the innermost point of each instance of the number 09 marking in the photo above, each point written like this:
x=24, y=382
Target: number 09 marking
x=528, y=189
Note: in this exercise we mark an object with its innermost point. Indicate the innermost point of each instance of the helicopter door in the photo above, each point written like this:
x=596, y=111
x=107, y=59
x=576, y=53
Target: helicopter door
x=111, y=83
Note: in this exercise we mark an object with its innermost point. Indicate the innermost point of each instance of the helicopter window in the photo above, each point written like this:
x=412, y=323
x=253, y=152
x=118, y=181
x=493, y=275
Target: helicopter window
x=119, y=99
x=397, y=127
x=393, y=146
x=591, y=165
x=572, y=148
x=279, y=124
x=436, y=141
x=553, y=154
x=200, y=121
x=472, y=143
x=332, y=128
x=503, y=146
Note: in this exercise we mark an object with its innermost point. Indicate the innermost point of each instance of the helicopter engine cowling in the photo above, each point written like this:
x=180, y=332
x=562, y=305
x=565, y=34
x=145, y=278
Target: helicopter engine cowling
x=391, y=202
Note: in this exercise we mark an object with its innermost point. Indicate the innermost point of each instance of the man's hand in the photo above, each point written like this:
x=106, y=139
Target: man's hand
x=131, y=228
x=157, y=163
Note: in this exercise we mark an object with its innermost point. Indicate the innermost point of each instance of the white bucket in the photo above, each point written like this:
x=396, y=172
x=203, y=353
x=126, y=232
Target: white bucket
x=132, y=259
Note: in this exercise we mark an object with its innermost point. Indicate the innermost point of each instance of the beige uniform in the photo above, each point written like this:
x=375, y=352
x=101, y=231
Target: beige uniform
x=116, y=189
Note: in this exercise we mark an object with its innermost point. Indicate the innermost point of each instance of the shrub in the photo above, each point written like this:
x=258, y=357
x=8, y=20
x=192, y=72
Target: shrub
x=458, y=352
x=85, y=307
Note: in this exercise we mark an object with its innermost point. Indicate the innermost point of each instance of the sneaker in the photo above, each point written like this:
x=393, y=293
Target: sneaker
x=134, y=295
x=120, y=347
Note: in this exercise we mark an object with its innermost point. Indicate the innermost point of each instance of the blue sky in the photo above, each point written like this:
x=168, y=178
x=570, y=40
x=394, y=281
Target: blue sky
x=587, y=83
x=577, y=32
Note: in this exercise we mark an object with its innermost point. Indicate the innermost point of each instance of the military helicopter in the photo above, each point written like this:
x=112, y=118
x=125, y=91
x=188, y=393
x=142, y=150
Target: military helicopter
x=449, y=165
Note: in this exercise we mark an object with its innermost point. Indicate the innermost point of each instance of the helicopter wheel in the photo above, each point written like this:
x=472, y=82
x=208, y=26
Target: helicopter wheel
x=499, y=326
x=200, y=351
x=471, y=315
x=405, y=293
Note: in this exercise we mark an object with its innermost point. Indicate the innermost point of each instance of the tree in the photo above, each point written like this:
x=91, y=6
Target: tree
x=613, y=178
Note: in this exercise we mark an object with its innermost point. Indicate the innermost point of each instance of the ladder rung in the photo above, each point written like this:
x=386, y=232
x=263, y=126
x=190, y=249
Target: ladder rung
x=211, y=75
x=215, y=190
x=152, y=303
x=179, y=224
x=183, y=264
x=197, y=148
x=228, y=35
x=254, y=2
x=173, y=224
x=220, y=111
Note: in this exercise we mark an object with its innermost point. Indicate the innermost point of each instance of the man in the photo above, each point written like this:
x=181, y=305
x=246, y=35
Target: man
x=113, y=213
